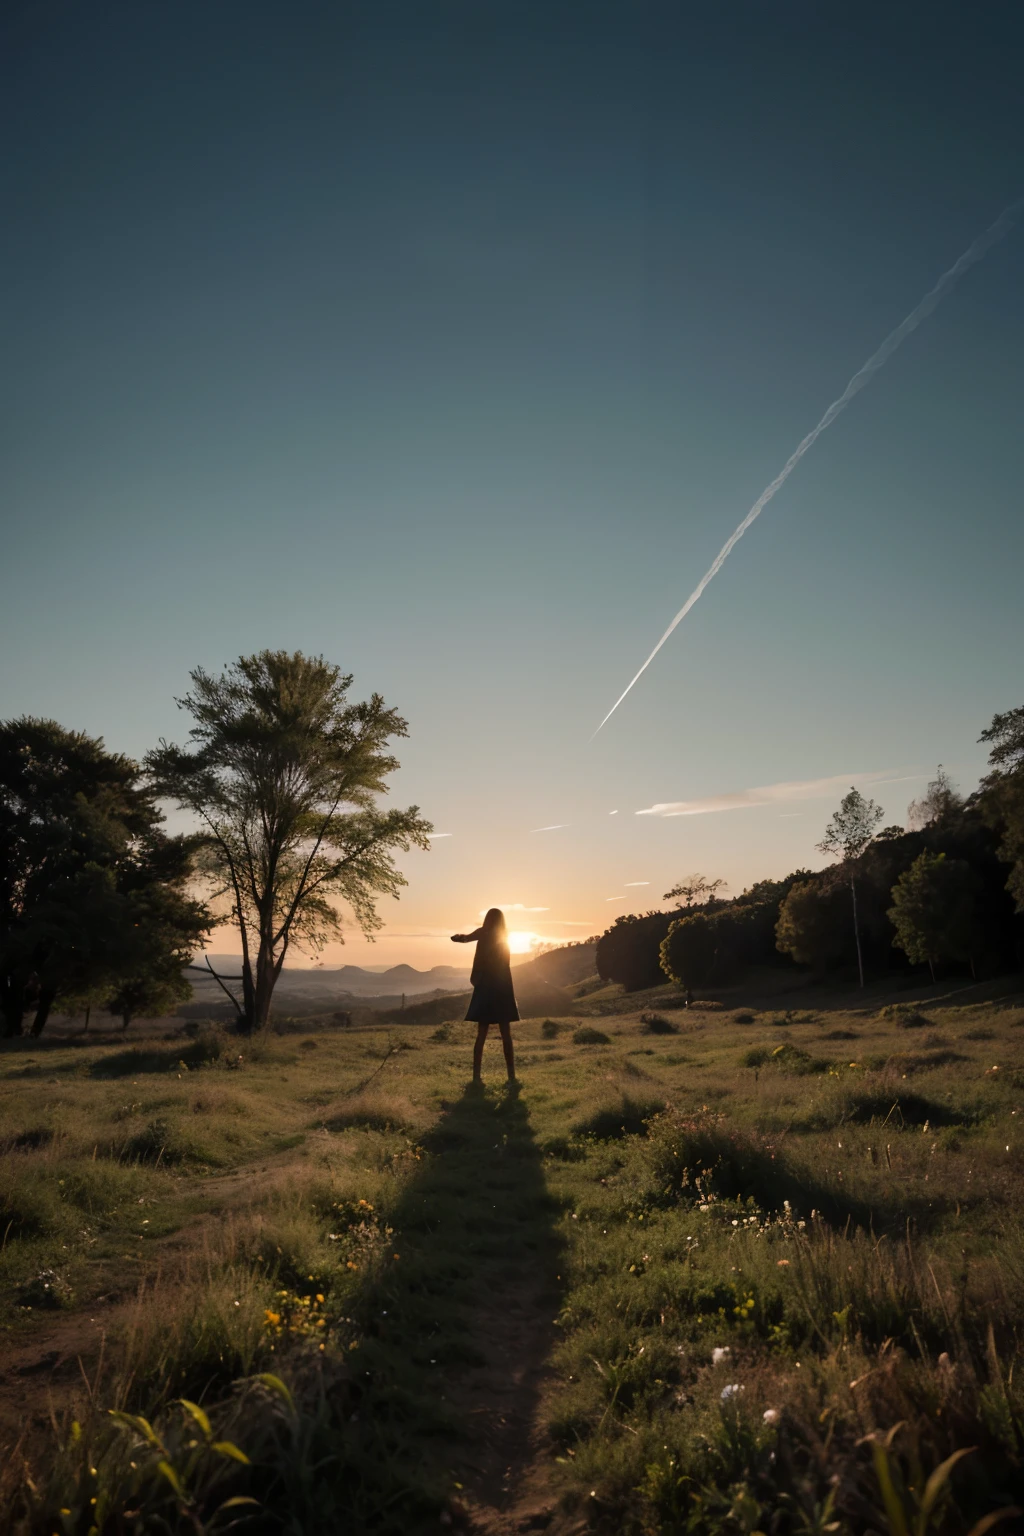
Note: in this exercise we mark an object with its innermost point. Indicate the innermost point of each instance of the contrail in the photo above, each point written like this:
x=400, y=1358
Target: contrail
x=972, y=254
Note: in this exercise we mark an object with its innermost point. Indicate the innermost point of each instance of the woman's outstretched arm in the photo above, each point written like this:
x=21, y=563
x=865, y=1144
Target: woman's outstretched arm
x=467, y=938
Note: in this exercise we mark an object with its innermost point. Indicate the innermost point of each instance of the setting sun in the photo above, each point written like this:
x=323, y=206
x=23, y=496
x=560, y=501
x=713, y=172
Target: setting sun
x=521, y=943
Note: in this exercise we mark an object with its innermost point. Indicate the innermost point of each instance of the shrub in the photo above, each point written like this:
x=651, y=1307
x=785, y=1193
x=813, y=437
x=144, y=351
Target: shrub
x=611, y=1122
x=657, y=1024
x=743, y=1016
x=47, y=1290
x=588, y=1036
x=904, y=1016
x=550, y=1029
x=444, y=1033
x=157, y=1142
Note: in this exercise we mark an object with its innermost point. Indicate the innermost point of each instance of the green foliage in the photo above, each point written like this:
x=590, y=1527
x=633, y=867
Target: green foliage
x=283, y=773
x=587, y=1035
x=550, y=1029
x=1003, y=794
x=934, y=910
x=629, y=951
x=851, y=828
x=688, y=950
x=92, y=894
x=813, y=925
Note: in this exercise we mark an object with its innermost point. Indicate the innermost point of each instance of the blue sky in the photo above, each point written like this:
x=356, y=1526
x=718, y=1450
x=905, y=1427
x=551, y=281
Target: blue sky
x=452, y=341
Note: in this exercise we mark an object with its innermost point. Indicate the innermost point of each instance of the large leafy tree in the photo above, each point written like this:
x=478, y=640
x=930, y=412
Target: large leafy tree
x=688, y=950
x=283, y=775
x=934, y=911
x=81, y=852
x=1003, y=793
x=811, y=927
x=629, y=951
x=846, y=839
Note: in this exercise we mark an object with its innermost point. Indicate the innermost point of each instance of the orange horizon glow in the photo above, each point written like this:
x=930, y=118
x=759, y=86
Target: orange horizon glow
x=522, y=943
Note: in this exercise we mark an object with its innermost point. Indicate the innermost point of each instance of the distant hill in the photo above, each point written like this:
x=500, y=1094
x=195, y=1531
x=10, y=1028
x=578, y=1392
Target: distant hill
x=564, y=967
x=353, y=980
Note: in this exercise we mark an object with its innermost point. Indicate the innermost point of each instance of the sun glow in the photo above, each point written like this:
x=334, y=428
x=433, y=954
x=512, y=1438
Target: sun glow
x=522, y=943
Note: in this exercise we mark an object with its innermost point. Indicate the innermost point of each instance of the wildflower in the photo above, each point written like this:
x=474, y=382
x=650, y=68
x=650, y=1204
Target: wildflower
x=782, y=1263
x=770, y=1416
x=731, y=1391
x=719, y=1353
x=319, y=1297
x=272, y=1319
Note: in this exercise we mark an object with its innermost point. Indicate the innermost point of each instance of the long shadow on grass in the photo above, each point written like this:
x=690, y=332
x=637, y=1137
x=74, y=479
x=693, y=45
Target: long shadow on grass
x=456, y=1329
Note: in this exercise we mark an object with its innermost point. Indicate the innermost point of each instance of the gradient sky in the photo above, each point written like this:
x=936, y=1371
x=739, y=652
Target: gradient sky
x=451, y=340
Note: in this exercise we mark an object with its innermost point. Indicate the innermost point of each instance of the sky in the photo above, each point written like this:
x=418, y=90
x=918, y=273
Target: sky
x=451, y=340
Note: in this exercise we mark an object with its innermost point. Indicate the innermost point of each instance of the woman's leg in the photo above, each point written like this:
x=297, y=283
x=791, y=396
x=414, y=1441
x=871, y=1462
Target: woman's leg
x=510, y=1055
x=478, y=1050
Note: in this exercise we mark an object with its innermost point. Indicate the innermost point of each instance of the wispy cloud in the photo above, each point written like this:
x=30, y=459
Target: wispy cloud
x=615, y=898
x=638, y=882
x=434, y=835
x=770, y=794
x=557, y=827
x=613, y=813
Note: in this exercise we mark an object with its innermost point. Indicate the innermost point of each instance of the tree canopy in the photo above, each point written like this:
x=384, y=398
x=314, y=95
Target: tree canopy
x=82, y=859
x=1003, y=793
x=282, y=774
x=934, y=910
x=688, y=950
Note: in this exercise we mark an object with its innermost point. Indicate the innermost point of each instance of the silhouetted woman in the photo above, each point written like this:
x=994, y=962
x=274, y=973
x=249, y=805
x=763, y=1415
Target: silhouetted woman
x=494, y=999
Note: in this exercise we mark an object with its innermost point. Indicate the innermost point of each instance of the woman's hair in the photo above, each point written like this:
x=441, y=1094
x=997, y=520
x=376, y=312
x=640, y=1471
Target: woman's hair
x=494, y=923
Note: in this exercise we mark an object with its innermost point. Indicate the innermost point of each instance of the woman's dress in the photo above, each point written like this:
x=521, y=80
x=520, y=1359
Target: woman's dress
x=494, y=998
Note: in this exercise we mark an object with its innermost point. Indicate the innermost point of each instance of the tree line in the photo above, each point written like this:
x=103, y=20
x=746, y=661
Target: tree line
x=281, y=775
x=935, y=892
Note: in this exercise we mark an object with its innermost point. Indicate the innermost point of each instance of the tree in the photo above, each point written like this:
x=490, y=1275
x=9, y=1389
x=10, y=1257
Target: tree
x=162, y=929
x=629, y=951
x=1002, y=796
x=810, y=927
x=282, y=776
x=695, y=891
x=846, y=838
x=934, y=911
x=938, y=802
x=688, y=950
x=79, y=829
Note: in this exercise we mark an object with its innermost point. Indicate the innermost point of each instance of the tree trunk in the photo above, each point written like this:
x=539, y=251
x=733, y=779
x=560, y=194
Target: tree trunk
x=45, y=1003
x=931, y=967
x=266, y=979
x=12, y=1005
x=856, y=930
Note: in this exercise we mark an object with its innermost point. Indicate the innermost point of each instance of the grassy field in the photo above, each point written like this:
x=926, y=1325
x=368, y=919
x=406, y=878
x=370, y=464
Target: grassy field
x=705, y=1271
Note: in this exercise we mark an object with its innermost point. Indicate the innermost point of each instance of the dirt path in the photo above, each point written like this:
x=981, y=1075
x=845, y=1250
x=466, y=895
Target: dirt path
x=507, y=1465
x=502, y=1459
